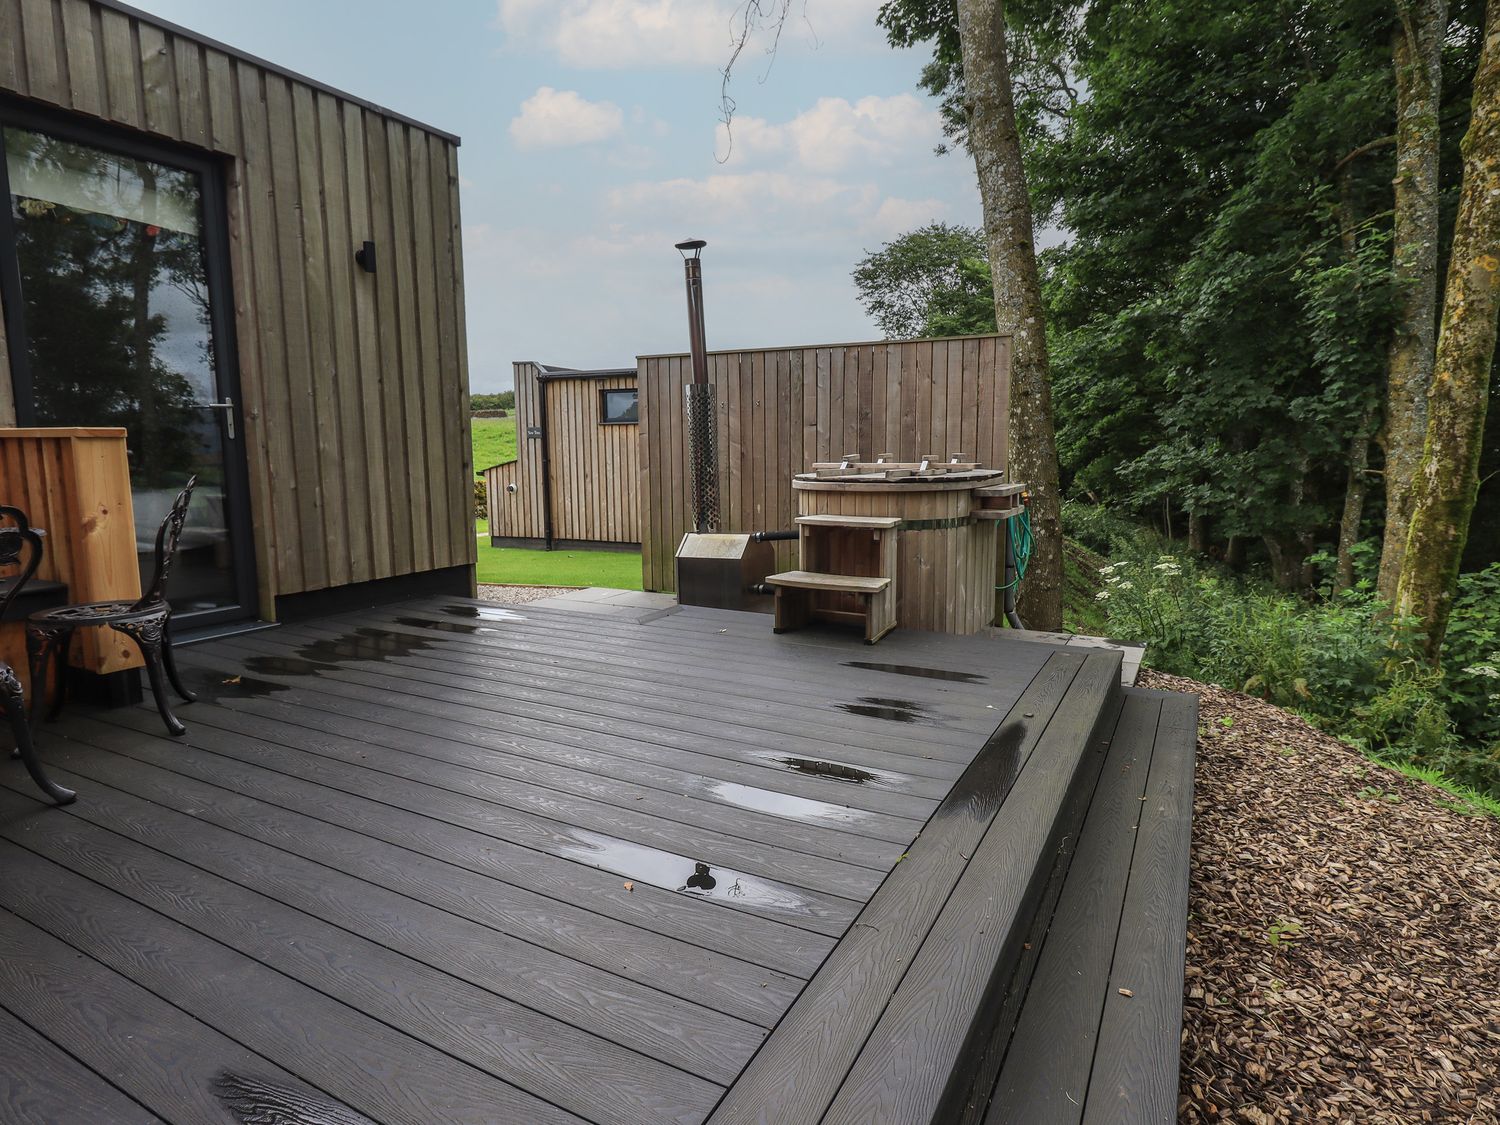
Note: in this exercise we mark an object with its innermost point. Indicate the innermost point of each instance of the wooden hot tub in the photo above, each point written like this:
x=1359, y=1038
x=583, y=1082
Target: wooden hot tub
x=949, y=542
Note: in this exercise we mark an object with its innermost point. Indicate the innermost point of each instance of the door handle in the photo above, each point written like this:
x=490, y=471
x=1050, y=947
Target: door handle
x=227, y=406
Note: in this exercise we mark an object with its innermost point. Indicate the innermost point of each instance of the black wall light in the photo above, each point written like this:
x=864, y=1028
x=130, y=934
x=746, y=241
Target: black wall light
x=365, y=256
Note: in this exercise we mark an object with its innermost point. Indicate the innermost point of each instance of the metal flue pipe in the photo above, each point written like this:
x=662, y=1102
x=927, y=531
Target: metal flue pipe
x=699, y=398
x=692, y=268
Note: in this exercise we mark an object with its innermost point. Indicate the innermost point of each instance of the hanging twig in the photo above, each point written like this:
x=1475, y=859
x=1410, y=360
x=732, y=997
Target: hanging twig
x=751, y=16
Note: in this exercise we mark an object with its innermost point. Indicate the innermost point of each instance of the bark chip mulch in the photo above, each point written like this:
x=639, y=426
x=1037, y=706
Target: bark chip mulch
x=1343, y=958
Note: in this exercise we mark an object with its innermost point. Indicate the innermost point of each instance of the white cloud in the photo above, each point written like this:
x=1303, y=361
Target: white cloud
x=615, y=34
x=836, y=134
x=897, y=216
x=768, y=202
x=555, y=118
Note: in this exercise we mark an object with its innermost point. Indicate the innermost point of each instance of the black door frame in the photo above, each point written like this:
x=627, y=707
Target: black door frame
x=221, y=303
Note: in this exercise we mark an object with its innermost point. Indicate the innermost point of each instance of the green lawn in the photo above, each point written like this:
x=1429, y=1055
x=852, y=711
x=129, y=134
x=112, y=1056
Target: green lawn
x=494, y=441
x=620, y=570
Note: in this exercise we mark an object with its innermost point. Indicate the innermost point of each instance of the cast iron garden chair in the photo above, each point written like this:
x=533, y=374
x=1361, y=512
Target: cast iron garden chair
x=18, y=538
x=147, y=621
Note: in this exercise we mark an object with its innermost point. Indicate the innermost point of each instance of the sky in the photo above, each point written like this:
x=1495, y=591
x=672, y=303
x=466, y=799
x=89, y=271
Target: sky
x=592, y=143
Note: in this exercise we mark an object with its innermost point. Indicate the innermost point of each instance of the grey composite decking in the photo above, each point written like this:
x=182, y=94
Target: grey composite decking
x=440, y=863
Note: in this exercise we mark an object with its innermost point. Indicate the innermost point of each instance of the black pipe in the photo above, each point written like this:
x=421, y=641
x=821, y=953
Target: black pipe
x=771, y=536
x=762, y=588
x=1010, y=581
x=541, y=392
x=697, y=342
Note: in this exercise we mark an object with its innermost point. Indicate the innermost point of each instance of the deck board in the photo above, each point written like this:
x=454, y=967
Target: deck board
x=587, y=1074
x=42, y=1084
x=361, y=1061
x=1046, y=1072
x=434, y=862
x=800, y=1069
x=764, y=941
x=659, y=961
x=512, y=981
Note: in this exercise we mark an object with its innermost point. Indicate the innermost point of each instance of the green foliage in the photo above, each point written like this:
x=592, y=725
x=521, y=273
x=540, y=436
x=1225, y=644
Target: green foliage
x=1219, y=314
x=1339, y=660
x=940, y=270
x=966, y=308
x=505, y=400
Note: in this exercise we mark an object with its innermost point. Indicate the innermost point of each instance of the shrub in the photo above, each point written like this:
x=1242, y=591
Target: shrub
x=1097, y=527
x=1338, y=660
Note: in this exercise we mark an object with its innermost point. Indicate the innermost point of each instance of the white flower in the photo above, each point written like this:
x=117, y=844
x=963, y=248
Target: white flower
x=1127, y=586
x=1168, y=568
x=1102, y=596
x=1487, y=670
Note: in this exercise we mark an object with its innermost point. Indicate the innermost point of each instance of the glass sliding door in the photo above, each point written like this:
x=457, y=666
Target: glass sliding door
x=115, y=307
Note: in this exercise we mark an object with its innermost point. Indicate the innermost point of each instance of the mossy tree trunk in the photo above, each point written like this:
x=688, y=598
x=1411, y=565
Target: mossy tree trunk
x=1357, y=482
x=996, y=146
x=1416, y=51
x=1447, y=478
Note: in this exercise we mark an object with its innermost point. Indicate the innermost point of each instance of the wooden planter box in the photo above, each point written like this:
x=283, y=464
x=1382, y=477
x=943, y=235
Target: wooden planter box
x=74, y=483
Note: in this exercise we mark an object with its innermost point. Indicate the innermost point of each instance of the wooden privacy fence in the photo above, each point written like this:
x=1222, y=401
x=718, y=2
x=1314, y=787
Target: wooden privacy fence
x=781, y=409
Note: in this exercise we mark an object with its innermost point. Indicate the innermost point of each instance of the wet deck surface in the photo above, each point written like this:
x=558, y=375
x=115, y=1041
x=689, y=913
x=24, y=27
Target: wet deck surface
x=446, y=862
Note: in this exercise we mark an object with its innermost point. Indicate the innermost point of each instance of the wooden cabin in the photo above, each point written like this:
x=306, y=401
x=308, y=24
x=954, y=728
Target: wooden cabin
x=272, y=299
x=574, y=480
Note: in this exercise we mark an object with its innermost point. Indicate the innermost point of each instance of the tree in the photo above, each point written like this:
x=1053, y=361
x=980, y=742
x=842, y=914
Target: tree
x=901, y=283
x=964, y=309
x=1447, y=478
x=1416, y=51
x=995, y=144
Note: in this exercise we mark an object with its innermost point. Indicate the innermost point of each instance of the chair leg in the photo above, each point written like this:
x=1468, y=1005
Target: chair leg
x=60, y=658
x=170, y=663
x=147, y=634
x=14, y=702
x=41, y=643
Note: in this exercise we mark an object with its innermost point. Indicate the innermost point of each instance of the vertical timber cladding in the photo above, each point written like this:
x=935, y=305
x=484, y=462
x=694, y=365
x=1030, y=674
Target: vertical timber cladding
x=779, y=410
x=355, y=385
x=594, y=483
x=595, y=493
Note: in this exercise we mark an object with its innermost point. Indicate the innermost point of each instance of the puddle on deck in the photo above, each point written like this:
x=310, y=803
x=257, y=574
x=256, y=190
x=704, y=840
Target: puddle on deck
x=915, y=670
x=259, y=1101
x=485, y=612
x=212, y=685
x=311, y=659
x=681, y=874
x=893, y=710
x=787, y=805
x=837, y=771
x=444, y=626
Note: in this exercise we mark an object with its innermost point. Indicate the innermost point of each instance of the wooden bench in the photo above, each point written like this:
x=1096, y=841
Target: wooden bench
x=795, y=608
x=846, y=573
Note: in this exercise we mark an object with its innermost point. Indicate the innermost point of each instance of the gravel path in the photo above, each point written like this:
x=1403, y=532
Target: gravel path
x=518, y=595
x=1344, y=936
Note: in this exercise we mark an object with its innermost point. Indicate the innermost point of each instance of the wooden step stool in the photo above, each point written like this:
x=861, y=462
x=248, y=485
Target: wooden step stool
x=847, y=574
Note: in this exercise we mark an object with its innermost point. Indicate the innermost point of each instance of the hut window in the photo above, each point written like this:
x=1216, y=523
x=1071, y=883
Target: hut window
x=618, y=408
